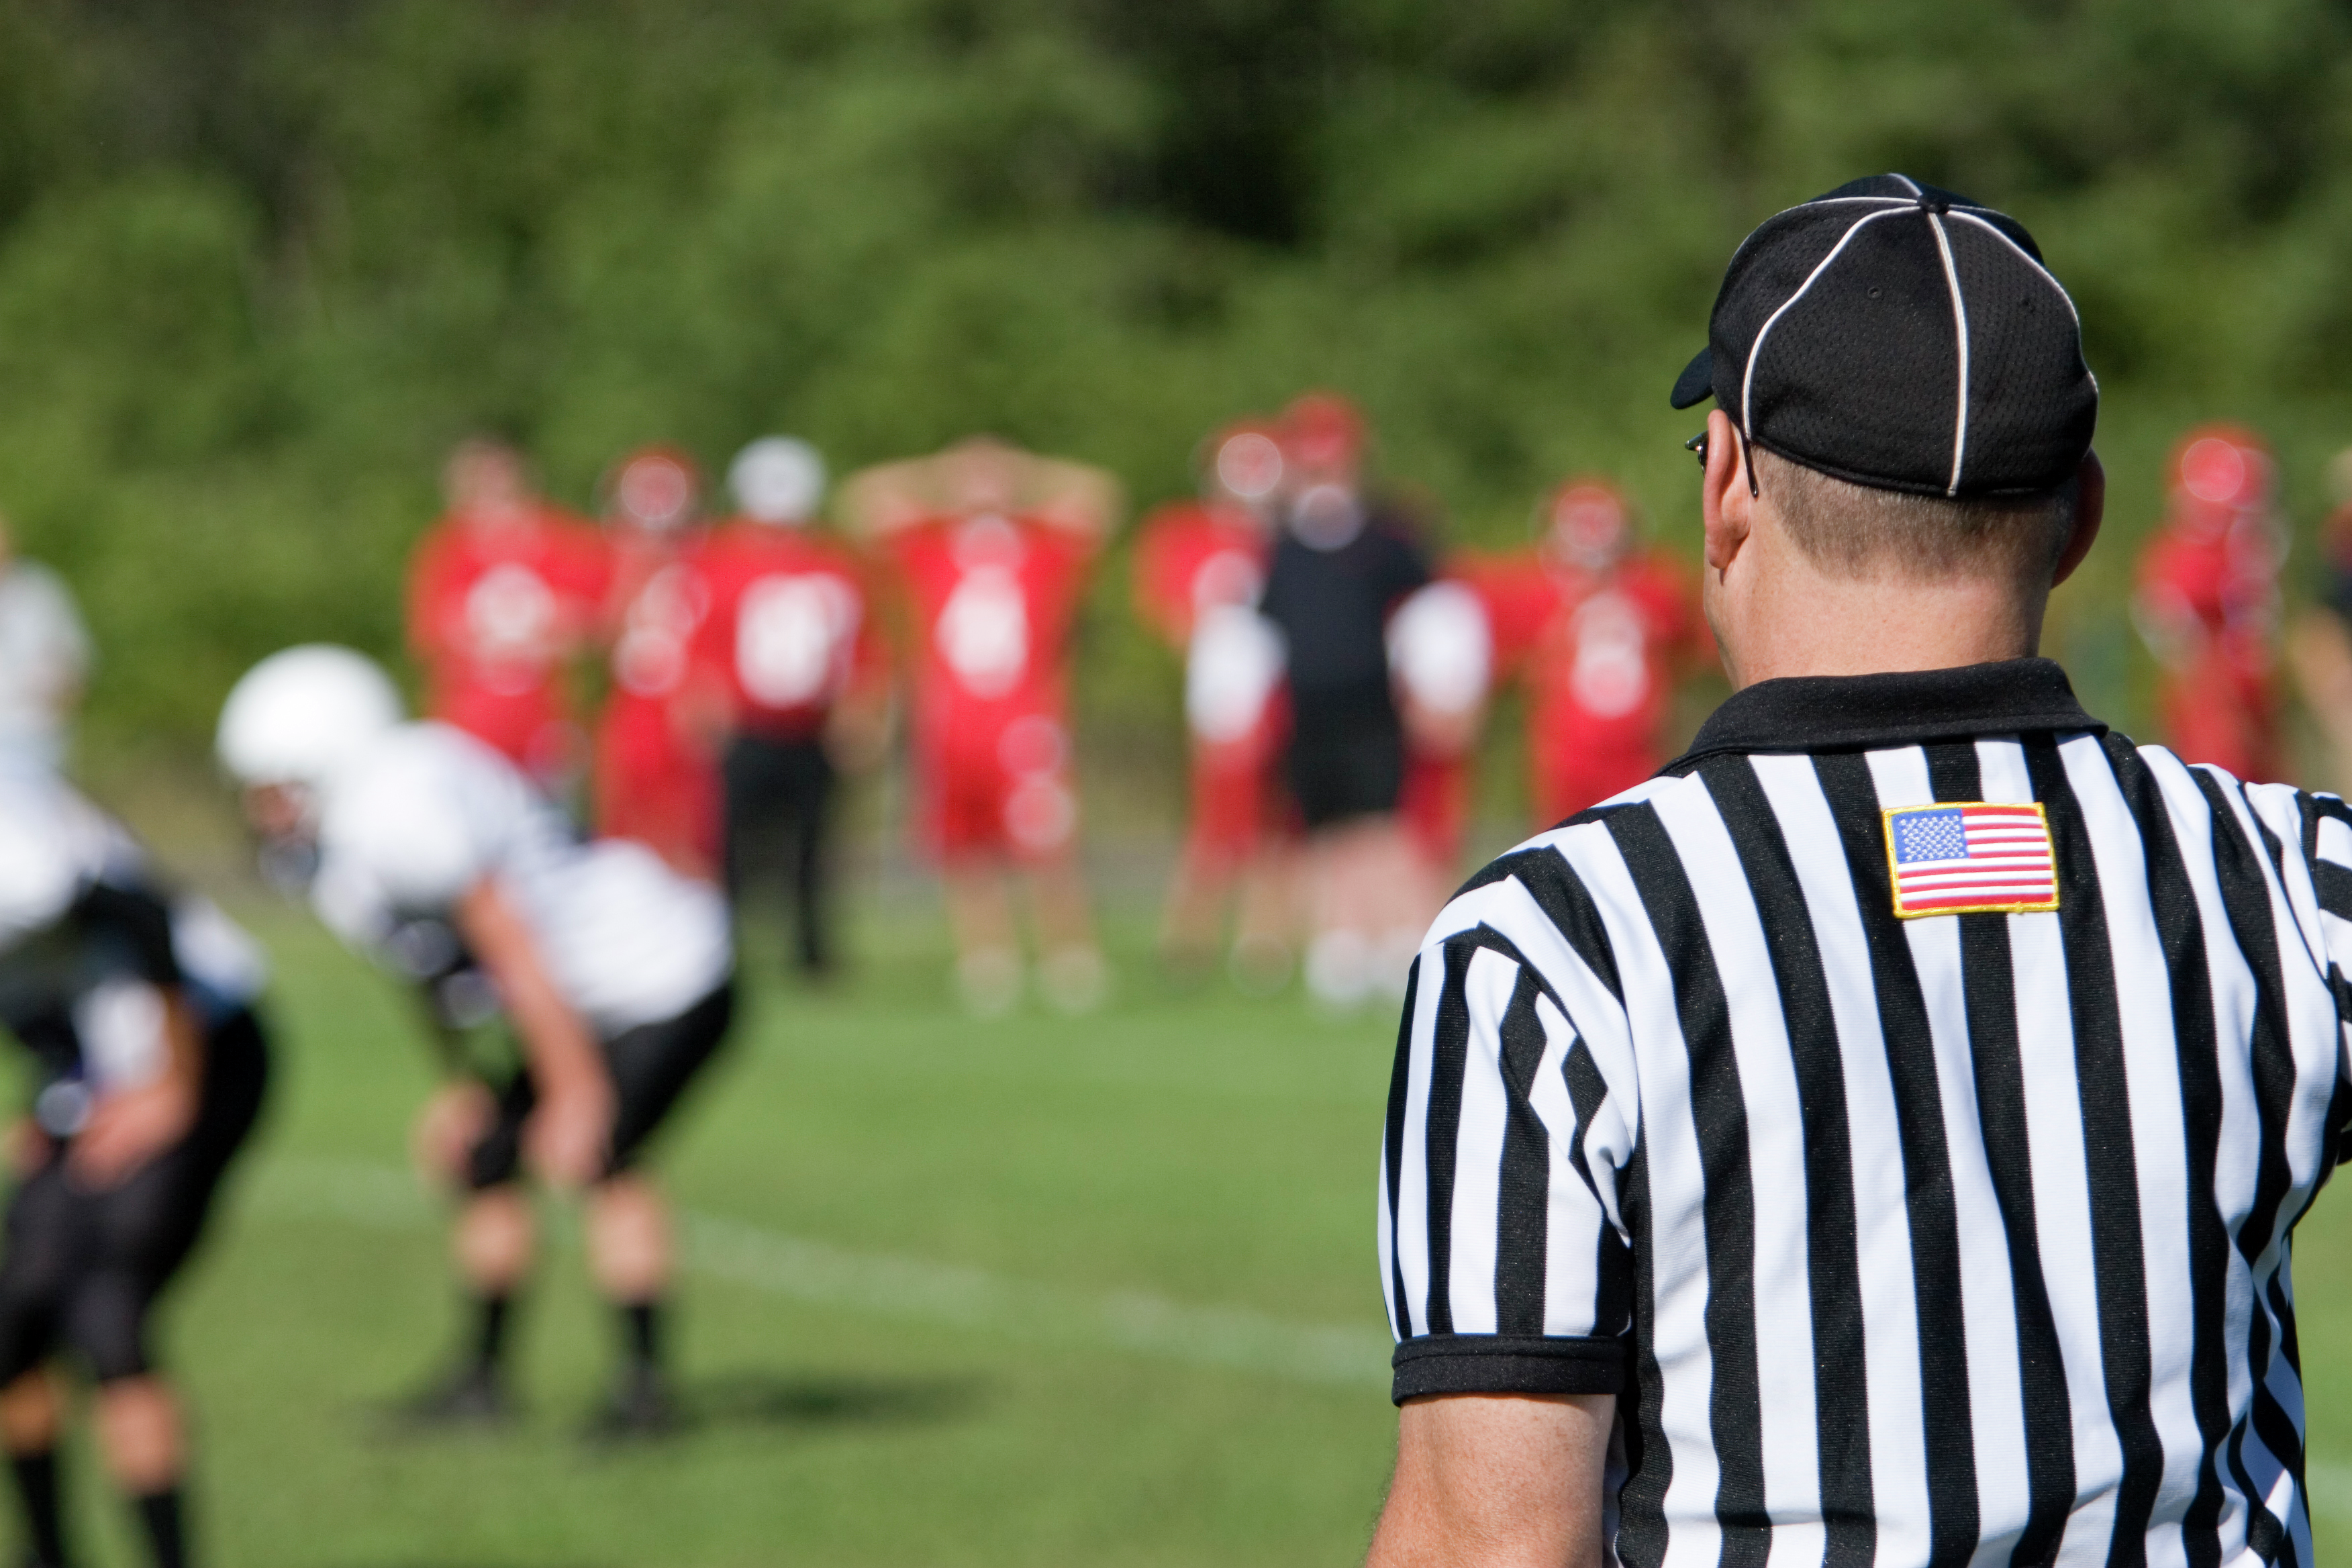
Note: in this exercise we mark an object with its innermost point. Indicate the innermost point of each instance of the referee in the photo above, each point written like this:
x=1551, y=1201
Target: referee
x=1877, y=1139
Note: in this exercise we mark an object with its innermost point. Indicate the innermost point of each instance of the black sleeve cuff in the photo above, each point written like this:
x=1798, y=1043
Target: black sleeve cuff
x=1507, y=1363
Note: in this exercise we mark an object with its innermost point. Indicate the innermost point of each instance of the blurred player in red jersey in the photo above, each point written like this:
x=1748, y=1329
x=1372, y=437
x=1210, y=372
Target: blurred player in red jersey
x=791, y=652
x=1601, y=631
x=1343, y=561
x=656, y=779
x=2320, y=644
x=502, y=592
x=2207, y=604
x=990, y=546
x=1198, y=569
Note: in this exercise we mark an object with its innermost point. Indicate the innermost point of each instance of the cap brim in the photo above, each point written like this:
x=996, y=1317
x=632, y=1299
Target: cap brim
x=1696, y=382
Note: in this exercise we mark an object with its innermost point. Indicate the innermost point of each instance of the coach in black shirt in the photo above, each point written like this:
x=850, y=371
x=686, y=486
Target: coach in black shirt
x=1876, y=1139
x=1341, y=563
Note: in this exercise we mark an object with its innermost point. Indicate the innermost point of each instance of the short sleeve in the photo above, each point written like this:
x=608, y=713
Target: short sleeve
x=1508, y=1266
x=422, y=829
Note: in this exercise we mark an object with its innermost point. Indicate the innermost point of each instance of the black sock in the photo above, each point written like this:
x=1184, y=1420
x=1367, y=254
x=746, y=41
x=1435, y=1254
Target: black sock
x=36, y=1492
x=641, y=1331
x=490, y=1313
x=166, y=1538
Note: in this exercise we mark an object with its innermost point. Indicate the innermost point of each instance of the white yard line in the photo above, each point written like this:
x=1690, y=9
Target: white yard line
x=818, y=1273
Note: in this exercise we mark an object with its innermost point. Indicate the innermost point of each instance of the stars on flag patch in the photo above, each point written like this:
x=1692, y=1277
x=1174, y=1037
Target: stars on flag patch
x=1971, y=858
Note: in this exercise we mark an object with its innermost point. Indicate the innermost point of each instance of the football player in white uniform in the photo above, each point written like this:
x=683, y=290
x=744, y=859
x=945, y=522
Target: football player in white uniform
x=148, y=1068
x=431, y=853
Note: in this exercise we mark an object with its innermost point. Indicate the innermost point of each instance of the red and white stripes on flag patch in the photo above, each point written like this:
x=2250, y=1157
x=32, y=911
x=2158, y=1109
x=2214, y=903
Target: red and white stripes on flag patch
x=1971, y=858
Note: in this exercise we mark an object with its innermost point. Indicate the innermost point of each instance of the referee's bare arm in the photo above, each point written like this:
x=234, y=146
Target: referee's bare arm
x=1498, y=1480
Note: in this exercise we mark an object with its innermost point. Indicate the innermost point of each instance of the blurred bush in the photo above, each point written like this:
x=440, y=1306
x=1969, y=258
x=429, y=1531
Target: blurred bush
x=261, y=260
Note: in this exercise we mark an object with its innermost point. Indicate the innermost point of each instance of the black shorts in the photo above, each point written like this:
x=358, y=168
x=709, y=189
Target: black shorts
x=1347, y=760
x=651, y=1065
x=82, y=1269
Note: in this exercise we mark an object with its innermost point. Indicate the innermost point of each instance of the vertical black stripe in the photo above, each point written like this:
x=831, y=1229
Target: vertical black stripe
x=1613, y=1268
x=1524, y=1201
x=1400, y=1089
x=2271, y=1424
x=1649, y=1459
x=1989, y=987
x=2180, y=931
x=1449, y=1047
x=1926, y=1174
x=2118, y=1260
x=1728, y=1204
x=2245, y=894
x=1841, y=1398
x=1561, y=896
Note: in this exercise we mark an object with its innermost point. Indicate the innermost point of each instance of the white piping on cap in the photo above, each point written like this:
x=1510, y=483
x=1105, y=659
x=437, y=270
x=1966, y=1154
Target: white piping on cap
x=1911, y=184
x=1747, y=377
x=2027, y=256
x=2047, y=276
x=1961, y=327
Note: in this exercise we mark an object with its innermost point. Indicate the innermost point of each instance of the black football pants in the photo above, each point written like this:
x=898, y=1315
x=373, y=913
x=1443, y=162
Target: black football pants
x=779, y=793
x=84, y=1268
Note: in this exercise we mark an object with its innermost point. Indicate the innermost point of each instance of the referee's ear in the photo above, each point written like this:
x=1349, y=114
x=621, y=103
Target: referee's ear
x=2090, y=508
x=1727, y=502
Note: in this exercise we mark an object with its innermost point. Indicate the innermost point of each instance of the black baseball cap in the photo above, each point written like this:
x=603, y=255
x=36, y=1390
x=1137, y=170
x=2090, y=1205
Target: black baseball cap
x=1905, y=338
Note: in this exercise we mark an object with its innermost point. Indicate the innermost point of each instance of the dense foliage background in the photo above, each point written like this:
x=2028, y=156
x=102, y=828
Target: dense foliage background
x=259, y=262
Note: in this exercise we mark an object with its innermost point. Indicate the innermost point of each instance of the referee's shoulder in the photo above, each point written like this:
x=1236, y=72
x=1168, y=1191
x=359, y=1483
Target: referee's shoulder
x=1547, y=903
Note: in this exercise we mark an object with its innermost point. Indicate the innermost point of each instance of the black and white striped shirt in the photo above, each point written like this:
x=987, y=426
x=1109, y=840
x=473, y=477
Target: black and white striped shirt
x=1948, y=1240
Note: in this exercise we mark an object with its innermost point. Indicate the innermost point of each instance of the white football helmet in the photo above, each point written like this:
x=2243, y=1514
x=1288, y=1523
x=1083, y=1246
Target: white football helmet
x=778, y=480
x=302, y=714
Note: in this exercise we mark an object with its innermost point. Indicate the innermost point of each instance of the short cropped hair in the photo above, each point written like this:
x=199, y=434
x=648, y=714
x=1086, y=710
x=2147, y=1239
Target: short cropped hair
x=1854, y=530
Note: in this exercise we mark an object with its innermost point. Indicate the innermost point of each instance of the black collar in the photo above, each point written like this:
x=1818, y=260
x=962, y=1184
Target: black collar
x=1863, y=712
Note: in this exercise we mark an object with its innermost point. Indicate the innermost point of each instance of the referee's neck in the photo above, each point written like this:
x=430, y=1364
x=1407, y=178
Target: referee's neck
x=1777, y=612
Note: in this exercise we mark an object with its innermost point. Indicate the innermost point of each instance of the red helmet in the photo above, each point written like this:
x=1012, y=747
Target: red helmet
x=1587, y=522
x=1322, y=431
x=1243, y=460
x=2219, y=472
x=655, y=489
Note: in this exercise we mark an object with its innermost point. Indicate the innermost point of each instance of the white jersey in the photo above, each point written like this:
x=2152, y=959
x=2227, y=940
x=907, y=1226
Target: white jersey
x=45, y=656
x=428, y=812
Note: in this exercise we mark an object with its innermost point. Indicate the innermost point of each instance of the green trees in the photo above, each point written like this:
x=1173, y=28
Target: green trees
x=260, y=262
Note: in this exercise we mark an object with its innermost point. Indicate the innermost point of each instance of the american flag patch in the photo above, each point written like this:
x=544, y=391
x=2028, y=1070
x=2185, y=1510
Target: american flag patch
x=1969, y=857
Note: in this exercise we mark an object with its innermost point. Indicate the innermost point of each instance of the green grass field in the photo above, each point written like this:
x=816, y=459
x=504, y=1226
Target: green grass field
x=1034, y=1292
x=1031, y=1291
